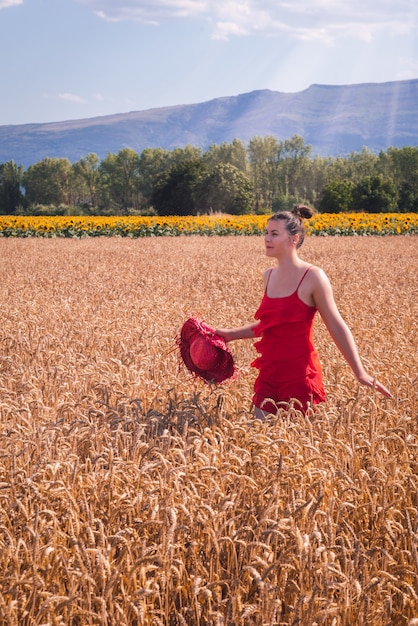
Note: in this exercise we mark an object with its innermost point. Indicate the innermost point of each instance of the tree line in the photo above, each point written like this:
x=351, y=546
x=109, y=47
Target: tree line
x=263, y=176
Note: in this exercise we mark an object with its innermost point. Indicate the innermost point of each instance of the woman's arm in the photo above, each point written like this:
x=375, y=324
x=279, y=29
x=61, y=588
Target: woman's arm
x=339, y=331
x=231, y=334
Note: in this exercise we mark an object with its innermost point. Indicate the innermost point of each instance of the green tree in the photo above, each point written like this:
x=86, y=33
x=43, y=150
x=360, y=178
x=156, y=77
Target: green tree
x=154, y=163
x=374, y=194
x=226, y=190
x=84, y=181
x=11, y=197
x=188, y=154
x=401, y=165
x=285, y=203
x=337, y=197
x=234, y=153
x=174, y=192
x=315, y=175
x=263, y=152
x=120, y=181
x=359, y=165
x=408, y=195
x=292, y=162
x=47, y=182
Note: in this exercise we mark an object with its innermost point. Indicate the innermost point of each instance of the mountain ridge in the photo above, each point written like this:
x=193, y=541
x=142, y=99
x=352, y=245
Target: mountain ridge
x=334, y=119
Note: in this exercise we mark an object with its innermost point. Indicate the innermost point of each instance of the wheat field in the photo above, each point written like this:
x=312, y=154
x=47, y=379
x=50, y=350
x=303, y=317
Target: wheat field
x=131, y=494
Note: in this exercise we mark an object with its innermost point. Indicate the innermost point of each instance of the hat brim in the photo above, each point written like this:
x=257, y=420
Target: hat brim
x=225, y=367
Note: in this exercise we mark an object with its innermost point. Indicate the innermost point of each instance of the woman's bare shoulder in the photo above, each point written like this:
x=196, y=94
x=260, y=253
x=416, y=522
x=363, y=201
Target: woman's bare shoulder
x=318, y=282
x=317, y=274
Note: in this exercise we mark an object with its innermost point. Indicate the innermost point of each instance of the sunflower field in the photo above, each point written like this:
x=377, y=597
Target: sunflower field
x=209, y=225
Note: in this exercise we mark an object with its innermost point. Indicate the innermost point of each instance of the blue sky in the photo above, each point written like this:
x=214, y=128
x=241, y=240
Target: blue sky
x=72, y=59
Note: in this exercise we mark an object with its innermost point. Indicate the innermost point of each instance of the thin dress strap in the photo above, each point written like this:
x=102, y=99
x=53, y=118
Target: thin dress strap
x=268, y=279
x=304, y=274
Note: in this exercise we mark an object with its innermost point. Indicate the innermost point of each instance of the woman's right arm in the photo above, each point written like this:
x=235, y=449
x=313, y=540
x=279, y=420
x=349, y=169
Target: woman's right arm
x=243, y=332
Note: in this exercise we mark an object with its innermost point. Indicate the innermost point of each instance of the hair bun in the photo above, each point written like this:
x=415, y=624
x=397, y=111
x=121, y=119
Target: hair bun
x=303, y=211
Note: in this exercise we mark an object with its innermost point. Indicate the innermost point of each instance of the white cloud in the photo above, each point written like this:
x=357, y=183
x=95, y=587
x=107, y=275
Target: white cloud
x=326, y=20
x=71, y=97
x=5, y=4
x=147, y=11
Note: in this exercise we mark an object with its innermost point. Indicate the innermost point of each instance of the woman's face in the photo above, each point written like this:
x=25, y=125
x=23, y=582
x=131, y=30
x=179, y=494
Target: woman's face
x=277, y=240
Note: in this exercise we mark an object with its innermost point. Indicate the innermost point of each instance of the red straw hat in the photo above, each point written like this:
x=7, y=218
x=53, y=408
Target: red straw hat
x=204, y=353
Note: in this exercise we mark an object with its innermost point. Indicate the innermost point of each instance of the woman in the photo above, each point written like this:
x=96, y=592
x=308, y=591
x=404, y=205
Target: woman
x=288, y=363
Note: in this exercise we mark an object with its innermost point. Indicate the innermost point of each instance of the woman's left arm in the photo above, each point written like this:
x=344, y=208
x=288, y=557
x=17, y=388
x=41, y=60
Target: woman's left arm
x=324, y=300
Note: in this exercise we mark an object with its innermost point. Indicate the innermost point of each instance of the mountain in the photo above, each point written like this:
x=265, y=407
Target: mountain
x=334, y=120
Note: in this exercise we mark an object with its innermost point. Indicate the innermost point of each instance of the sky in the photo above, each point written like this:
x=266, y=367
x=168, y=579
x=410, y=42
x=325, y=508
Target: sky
x=76, y=59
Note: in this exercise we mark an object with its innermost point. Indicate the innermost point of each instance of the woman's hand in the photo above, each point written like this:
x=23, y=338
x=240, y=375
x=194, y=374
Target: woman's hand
x=369, y=381
x=224, y=333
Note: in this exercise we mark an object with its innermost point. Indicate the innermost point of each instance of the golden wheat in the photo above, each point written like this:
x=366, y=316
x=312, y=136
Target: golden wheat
x=131, y=494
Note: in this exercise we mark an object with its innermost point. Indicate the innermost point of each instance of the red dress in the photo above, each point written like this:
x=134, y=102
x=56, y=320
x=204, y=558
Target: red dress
x=288, y=362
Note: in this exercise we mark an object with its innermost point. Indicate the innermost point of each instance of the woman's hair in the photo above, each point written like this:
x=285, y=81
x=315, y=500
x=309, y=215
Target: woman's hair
x=294, y=220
